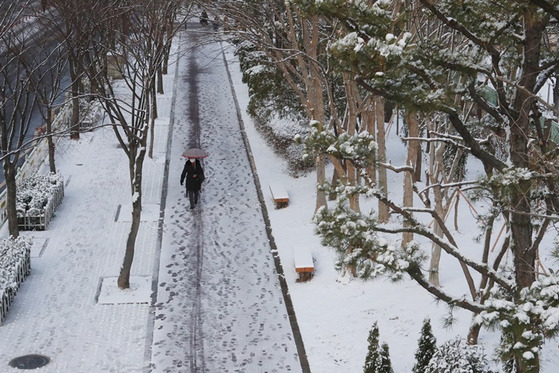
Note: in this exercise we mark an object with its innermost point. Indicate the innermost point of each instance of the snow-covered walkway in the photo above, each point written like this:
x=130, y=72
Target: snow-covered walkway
x=218, y=305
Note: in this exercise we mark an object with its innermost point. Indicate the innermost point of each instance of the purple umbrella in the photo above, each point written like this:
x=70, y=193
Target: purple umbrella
x=194, y=153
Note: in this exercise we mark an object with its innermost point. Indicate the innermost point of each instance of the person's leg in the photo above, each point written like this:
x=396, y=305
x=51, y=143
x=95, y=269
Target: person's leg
x=196, y=196
x=191, y=194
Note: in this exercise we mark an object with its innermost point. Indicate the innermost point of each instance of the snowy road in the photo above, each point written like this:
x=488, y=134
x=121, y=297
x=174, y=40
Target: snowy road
x=220, y=306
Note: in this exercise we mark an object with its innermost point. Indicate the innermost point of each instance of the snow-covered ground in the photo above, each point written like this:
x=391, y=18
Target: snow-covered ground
x=218, y=305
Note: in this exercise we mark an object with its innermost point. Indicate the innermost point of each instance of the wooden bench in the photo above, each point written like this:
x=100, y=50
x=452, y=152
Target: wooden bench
x=304, y=264
x=280, y=196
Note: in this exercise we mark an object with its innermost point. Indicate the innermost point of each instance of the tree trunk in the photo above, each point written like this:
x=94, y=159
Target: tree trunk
x=352, y=110
x=320, y=178
x=436, y=177
x=153, y=115
x=335, y=181
x=408, y=176
x=381, y=157
x=436, y=249
x=50, y=142
x=10, y=172
x=165, y=64
x=521, y=227
x=75, y=91
x=473, y=333
x=123, y=281
x=418, y=159
x=151, y=118
x=136, y=166
x=352, y=180
x=153, y=94
x=160, y=81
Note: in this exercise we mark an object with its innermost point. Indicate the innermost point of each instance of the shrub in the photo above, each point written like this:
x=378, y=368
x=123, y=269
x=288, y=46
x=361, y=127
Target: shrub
x=36, y=199
x=457, y=356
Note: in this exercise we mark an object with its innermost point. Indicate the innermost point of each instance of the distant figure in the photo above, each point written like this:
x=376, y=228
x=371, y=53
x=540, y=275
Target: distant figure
x=204, y=18
x=215, y=23
x=194, y=175
x=225, y=24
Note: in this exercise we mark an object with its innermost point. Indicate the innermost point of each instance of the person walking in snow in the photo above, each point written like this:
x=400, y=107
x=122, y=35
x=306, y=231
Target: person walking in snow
x=215, y=23
x=204, y=18
x=194, y=175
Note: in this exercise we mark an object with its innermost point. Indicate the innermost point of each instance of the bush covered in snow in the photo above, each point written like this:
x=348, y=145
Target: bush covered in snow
x=36, y=199
x=15, y=264
x=278, y=114
x=455, y=356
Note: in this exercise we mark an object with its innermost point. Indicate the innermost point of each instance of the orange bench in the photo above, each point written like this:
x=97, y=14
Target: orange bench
x=304, y=264
x=280, y=196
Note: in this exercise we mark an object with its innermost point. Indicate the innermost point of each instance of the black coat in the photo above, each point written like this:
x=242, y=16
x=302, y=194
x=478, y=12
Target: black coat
x=194, y=175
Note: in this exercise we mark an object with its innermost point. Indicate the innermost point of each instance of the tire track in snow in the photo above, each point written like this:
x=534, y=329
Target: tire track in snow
x=197, y=358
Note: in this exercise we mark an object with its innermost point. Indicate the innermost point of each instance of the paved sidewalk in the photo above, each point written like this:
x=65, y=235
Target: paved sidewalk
x=219, y=304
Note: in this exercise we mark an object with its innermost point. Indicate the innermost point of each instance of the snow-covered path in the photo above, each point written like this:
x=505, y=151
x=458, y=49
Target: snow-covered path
x=220, y=306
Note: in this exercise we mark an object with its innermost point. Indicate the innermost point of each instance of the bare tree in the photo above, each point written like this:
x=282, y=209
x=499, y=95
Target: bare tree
x=46, y=71
x=141, y=55
x=75, y=23
x=19, y=67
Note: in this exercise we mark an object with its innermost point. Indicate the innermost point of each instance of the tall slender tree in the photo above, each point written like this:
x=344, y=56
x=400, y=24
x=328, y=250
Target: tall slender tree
x=373, y=352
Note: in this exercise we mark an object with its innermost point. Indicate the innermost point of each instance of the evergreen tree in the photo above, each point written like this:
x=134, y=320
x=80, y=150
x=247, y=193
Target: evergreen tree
x=427, y=345
x=373, y=355
x=378, y=357
x=464, y=66
x=508, y=366
x=385, y=365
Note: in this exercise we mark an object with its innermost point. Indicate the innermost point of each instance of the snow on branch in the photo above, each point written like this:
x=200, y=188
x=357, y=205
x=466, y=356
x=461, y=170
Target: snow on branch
x=397, y=169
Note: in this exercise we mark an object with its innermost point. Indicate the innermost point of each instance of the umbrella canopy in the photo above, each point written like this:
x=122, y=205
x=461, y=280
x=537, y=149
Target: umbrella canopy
x=194, y=153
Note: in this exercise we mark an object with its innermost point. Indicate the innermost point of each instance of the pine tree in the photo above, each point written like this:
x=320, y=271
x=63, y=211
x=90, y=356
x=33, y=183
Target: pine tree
x=427, y=345
x=385, y=365
x=372, y=359
x=508, y=366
